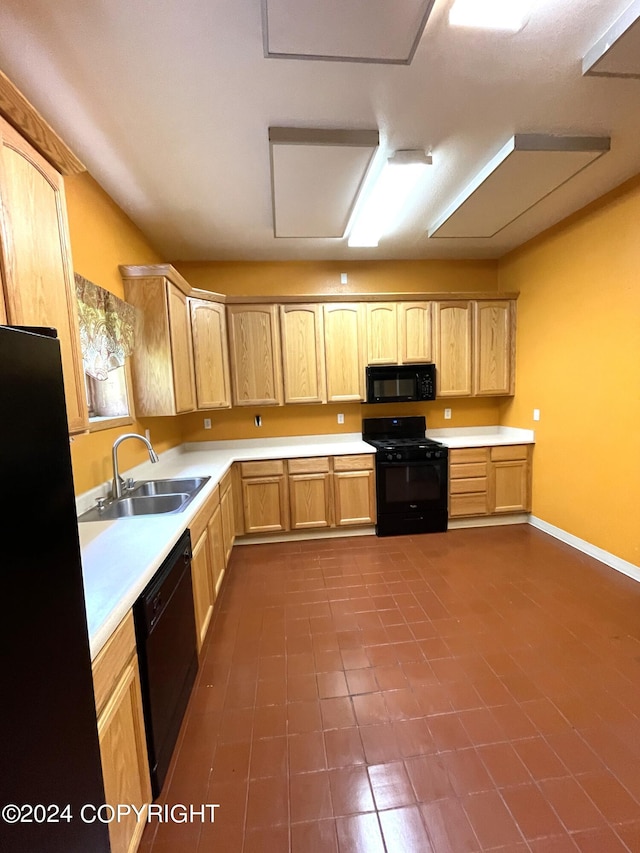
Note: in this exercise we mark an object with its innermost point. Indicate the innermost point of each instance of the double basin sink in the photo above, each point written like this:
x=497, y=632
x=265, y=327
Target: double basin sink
x=149, y=497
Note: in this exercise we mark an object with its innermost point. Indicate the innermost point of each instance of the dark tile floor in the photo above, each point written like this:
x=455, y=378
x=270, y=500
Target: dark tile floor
x=469, y=691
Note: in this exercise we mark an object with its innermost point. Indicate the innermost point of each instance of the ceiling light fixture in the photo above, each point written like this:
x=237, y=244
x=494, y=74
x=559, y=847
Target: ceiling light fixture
x=381, y=203
x=508, y=15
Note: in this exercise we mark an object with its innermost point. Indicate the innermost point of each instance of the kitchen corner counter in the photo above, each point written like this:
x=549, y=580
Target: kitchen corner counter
x=119, y=558
x=489, y=436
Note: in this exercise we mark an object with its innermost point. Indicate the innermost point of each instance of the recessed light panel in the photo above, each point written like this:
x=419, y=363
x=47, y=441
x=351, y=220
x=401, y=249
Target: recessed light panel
x=617, y=53
x=525, y=170
x=510, y=15
x=316, y=175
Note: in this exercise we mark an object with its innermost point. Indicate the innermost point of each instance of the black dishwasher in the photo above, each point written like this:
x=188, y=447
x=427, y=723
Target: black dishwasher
x=167, y=655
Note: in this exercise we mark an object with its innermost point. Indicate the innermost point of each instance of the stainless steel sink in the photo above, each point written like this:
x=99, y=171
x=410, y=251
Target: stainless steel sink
x=190, y=485
x=149, y=497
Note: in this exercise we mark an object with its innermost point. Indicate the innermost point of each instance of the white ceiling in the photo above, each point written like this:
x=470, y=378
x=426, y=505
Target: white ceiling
x=169, y=105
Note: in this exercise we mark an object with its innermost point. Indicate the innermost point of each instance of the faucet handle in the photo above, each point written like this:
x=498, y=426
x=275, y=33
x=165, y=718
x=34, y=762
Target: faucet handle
x=100, y=504
x=129, y=484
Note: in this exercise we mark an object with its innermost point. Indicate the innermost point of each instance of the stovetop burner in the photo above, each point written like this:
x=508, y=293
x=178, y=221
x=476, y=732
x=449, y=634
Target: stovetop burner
x=403, y=442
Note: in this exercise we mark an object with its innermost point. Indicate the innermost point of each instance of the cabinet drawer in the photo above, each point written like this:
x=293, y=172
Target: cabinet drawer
x=474, y=504
x=467, y=454
x=266, y=468
x=470, y=484
x=361, y=462
x=201, y=520
x=509, y=451
x=314, y=465
x=112, y=660
x=469, y=469
x=225, y=482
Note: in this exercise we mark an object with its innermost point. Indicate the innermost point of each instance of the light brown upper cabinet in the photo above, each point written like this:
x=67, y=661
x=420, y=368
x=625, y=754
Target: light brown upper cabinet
x=162, y=361
x=415, y=340
x=494, y=347
x=35, y=255
x=453, y=325
x=303, y=362
x=382, y=332
x=210, y=354
x=344, y=334
x=256, y=363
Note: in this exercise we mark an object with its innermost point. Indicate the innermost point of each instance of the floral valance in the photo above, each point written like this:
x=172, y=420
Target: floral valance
x=106, y=328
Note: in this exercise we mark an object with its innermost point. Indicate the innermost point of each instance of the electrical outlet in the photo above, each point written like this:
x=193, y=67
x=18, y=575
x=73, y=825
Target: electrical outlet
x=147, y=434
x=207, y=423
x=258, y=420
x=343, y=278
x=340, y=418
x=447, y=414
x=536, y=414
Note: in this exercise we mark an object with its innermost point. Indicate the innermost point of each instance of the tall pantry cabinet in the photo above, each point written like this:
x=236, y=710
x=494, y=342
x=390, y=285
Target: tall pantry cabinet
x=35, y=258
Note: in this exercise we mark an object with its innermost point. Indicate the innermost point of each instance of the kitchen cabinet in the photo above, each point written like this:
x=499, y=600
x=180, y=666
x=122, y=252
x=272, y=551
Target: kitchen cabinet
x=354, y=490
x=382, y=332
x=203, y=586
x=210, y=354
x=415, y=340
x=489, y=480
x=510, y=485
x=35, y=259
x=344, y=335
x=310, y=493
x=468, y=481
x=494, y=347
x=216, y=550
x=227, y=508
x=453, y=327
x=162, y=360
x=121, y=733
x=256, y=361
x=303, y=358
x=264, y=496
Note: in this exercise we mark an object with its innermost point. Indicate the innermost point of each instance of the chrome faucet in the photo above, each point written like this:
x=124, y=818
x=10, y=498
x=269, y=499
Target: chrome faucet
x=118, y=482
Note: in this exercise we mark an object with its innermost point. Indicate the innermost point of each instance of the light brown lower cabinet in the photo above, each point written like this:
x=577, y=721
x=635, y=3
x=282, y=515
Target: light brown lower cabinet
x=308, y=493
x=123, y=748
x=489, y=480
x=216, y=550
x=227, y=505
x=203, y=585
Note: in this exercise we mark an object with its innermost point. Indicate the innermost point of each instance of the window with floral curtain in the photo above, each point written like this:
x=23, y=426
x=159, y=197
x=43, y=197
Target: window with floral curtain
x=106, y=337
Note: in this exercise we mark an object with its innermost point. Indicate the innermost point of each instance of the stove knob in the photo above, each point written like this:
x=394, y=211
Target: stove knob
x=398, y=455
x=389, y=456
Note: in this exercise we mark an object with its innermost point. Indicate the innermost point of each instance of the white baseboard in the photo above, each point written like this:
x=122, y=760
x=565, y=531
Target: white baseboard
x=600, y=554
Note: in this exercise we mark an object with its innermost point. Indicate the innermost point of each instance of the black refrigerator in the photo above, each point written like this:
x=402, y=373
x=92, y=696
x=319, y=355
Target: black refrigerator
x=49, y=753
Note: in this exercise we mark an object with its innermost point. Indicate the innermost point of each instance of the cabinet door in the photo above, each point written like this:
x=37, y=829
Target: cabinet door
x=509, y=486
x=254, y=341
x=35, y=255
x=382, y=332
x=494, y=347
x=354, y=498
x=303, y=365
x=181, y=350
x=310, y=500
x=123, y=751
x=210, y=354
x=343, y=340
x=203, y=589
x=453, y=348
x=414, y=332
x=216, y=550
x=228, y=522
x=265, y=504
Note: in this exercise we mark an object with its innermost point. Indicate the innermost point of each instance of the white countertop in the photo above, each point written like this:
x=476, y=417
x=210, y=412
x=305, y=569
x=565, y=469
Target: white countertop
x=120, y=557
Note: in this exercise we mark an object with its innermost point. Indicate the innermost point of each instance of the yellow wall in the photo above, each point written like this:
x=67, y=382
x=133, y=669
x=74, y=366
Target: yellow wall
x=102, y=237
x=323, y=277
x=578, y=361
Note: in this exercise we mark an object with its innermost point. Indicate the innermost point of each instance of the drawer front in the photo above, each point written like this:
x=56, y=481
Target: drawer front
x=112, y=660
x=507, y=452
x=265, y=468
x=361, y=462
x=468, y=469
x=467, y=454
x=313, y=465
x=471, y=484
x=201, y=520
x=225, y=482
x=475, y=504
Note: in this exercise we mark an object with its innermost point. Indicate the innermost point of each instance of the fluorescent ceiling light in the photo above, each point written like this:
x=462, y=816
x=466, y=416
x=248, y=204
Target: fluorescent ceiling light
x=381, y=204
x=490, y=14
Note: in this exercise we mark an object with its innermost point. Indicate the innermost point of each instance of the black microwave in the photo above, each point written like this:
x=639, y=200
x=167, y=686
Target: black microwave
x=401, y=383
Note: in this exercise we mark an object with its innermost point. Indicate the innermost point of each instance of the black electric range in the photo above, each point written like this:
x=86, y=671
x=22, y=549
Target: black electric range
x=412, y=476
